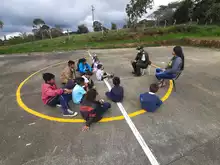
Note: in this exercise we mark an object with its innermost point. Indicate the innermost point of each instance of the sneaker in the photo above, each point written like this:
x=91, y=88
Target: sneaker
x=58, y=105
x=69, y=111
x=71, y=115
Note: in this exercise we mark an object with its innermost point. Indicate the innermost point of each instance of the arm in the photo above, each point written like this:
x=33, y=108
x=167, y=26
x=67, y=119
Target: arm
x=50, y=92
x=159, y=103
x=175, y=66
x=89, y=67
x=81, y=68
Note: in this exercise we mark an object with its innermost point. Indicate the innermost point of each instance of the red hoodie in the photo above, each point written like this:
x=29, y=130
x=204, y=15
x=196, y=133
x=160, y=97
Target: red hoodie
x=49, y=91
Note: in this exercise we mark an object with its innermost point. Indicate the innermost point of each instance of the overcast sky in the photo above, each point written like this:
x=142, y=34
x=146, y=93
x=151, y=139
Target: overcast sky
x=18, y=15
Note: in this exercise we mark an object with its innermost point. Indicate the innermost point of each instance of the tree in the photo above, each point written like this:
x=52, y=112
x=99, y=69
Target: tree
x=165, y=13
x=1, y=24
x=114, y=26
x=136, y=8
x=46, y=28
x=213, y=13
x=97, y=26
x=201, y=9
x=183, y=12
x=37, y=24
x=82, y=29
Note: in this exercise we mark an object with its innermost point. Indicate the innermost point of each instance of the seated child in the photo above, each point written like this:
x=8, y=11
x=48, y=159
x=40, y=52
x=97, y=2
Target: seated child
x=91, y=109
x=78, y=90
x=117, y=92
x=83, y=66
x=101, y=74
x=95, y=63
x=53, y=96
x=149, y=101
x=89, y=84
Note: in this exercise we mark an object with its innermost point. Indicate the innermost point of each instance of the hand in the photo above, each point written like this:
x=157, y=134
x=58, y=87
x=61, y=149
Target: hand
x=101, y=101
x=67, y=91
x=85, y=128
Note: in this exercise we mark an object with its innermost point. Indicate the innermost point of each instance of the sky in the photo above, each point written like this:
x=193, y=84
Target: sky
x=18, y=15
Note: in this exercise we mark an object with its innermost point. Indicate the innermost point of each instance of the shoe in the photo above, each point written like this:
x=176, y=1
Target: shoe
x=58, y=105
x=133, y=73
x=69, y=111
x=70, y=115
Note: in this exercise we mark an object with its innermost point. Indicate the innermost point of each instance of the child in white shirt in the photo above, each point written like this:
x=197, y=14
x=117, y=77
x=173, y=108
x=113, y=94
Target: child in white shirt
x=101, y=74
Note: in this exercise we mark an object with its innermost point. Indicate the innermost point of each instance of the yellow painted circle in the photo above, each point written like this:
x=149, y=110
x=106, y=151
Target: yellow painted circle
x=107, y=119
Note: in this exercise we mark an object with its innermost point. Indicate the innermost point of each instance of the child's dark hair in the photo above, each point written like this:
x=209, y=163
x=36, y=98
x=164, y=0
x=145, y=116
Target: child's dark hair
x=48, y=76
x=79, y=80
x=70, y=62
x=116, y=81
x=154, y=88
x=99, y=66
x=91, y=95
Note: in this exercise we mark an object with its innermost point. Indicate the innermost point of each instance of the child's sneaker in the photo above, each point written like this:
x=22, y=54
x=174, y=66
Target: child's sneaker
x=70, y=115
x=58, y=105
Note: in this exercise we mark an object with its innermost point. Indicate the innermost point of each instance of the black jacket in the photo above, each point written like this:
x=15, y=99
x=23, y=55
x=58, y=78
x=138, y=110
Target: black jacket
x=140, y=55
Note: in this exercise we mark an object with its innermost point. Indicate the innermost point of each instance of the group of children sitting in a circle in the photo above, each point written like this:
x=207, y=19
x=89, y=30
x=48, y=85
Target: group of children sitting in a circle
x=81, y=90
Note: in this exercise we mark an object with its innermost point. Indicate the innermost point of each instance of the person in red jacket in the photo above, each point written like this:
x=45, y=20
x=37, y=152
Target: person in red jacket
x=53, y=96
x=92, y=110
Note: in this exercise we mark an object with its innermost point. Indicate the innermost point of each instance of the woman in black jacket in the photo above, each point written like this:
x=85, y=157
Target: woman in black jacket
x=92, y=110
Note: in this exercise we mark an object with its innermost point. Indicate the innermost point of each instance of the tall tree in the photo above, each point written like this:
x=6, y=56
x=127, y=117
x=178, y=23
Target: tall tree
x=136, y=8
x=113, y=26
x=183, y=12
x=82, y=29
x=97, y=26
x=201, y=8
x=46, y=28
x=37, y=24
x=1, y=24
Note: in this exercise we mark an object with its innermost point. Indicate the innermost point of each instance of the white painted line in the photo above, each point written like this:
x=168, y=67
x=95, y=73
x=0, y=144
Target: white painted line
x=31, y=123
x=136, y=133
x=54, y=150
x=28, y=144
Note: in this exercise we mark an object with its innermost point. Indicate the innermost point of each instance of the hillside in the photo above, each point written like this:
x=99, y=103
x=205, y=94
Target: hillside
x=180, y=34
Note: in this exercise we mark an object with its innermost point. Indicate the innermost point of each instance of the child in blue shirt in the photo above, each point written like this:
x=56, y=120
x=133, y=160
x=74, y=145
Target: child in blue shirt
x=149, y=101
x=83, y=66
x=78, y=91
x=117, y=92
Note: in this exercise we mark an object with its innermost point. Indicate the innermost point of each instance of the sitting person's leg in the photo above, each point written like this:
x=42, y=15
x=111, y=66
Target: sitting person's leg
x=163, y=75
x=140, y=66
x=134, y=66
x=54, y=101
x=102, y=110
x=158, y=70
x=64, y=100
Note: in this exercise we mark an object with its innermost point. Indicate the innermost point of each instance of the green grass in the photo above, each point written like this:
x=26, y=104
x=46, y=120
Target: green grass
x=114, y=39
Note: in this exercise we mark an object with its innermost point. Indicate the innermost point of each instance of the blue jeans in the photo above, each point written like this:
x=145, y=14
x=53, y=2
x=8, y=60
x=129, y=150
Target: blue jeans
x=160, y=74
x=62, y=100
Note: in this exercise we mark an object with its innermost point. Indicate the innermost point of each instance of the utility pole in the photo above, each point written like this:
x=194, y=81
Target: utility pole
x=93, y=9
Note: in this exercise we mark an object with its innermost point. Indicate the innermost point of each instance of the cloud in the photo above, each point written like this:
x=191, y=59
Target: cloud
x=18, y=15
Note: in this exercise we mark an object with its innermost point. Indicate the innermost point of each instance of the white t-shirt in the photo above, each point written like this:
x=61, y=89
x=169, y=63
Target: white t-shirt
x=143, y=57
x=85, y=79
x=99, y=74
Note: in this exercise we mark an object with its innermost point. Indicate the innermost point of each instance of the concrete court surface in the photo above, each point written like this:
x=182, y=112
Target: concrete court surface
x=184, y=131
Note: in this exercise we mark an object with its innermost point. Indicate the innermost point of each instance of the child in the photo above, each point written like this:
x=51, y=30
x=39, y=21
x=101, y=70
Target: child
x=92, y=110
x=101, y=74
x=89, y=84
x=95, y=62
x=117, y=92
x=78, y=90
x=83, y=66
x=53, y=96
x=149, y=101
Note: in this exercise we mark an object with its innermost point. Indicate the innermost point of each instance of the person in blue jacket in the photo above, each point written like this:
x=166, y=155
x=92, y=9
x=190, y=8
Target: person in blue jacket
x=83, y=66
x=174, y=66
x=149, y=100
x=117, y=92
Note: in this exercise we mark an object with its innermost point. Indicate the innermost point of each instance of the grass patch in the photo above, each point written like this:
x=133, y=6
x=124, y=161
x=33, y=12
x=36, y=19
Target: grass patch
x=116, y=39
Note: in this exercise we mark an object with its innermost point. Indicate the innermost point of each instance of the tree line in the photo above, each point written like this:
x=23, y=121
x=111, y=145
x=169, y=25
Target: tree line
x=179, y=12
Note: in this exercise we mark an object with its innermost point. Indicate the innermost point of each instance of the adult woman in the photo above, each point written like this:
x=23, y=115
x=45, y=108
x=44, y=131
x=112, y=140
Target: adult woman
x=92, y=110
x=174, y=66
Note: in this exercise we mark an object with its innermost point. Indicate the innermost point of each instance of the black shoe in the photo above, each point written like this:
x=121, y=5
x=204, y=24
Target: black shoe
x=133, y=73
